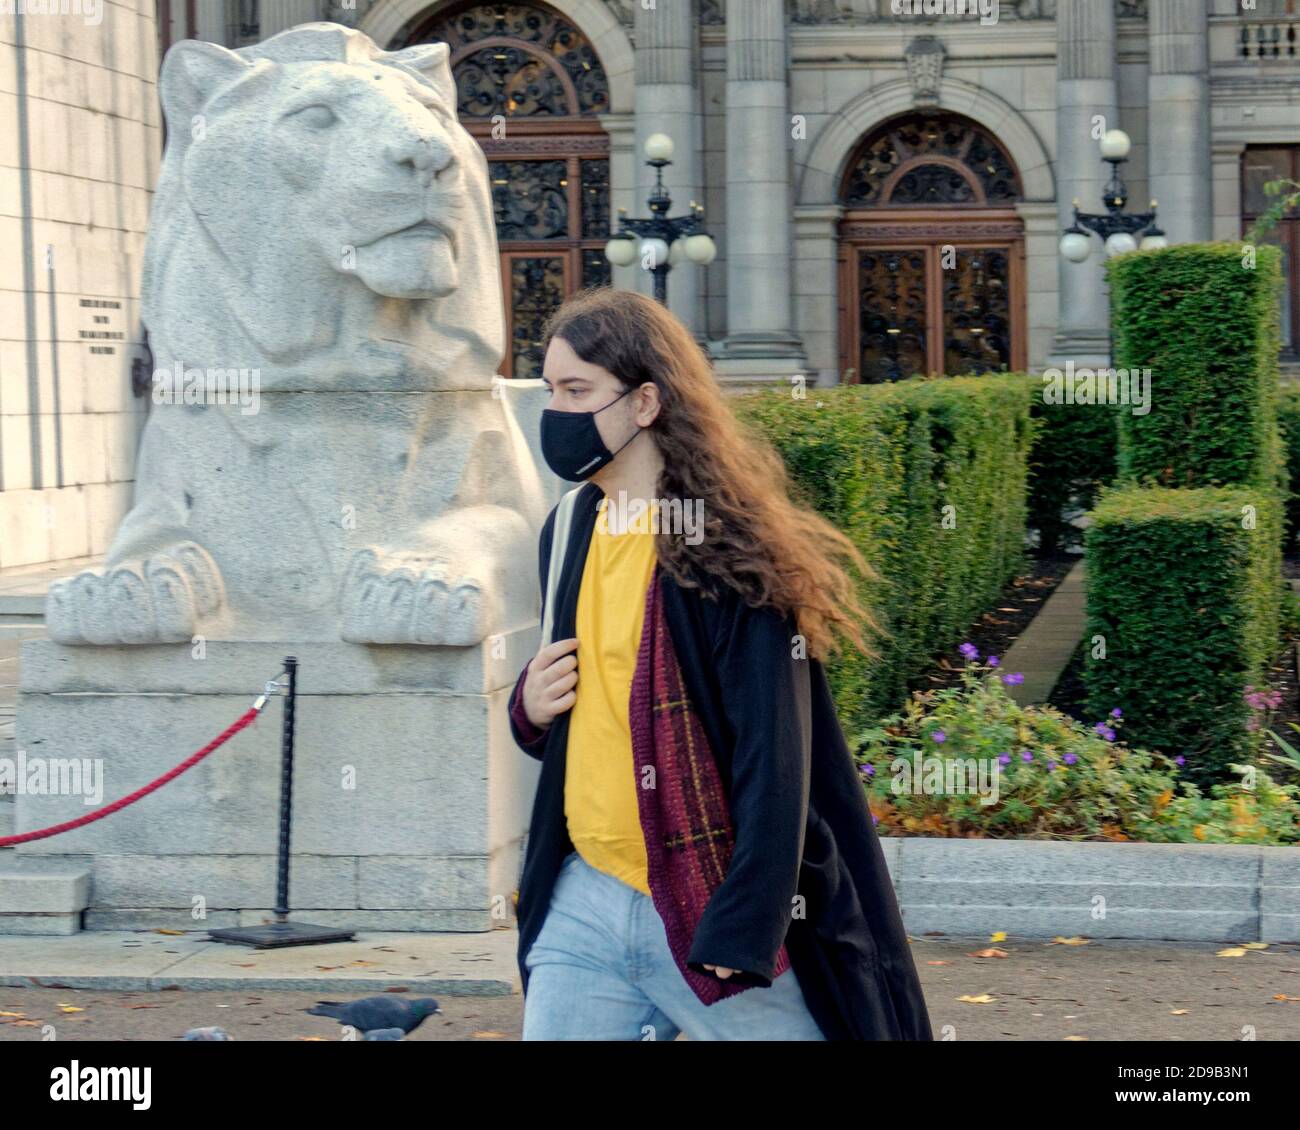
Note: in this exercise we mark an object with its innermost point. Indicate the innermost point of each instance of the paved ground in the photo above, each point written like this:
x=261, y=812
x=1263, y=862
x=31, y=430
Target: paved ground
x=1102, y=991
x=1044, y=649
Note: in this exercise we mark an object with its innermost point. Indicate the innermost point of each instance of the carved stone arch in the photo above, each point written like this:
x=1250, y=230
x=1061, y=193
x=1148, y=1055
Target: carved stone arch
x=608, y=37
x=839, y=139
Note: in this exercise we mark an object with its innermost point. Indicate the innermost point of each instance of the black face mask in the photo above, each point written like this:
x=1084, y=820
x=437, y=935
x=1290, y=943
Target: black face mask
x=571, y=443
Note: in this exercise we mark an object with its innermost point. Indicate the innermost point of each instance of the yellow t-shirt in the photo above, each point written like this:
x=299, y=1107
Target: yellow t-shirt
x=600, y=799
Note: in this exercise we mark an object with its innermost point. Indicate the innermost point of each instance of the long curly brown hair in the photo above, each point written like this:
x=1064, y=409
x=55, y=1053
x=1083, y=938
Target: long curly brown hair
x=756, y=539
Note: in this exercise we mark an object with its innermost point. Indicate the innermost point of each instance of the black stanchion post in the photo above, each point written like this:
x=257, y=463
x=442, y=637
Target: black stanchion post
x=282, y=932
x=286, y=789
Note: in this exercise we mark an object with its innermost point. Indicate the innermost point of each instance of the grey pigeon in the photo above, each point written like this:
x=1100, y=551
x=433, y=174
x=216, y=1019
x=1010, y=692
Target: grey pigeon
x=385, y=1034
x=373, y=1014
x=207, y=1034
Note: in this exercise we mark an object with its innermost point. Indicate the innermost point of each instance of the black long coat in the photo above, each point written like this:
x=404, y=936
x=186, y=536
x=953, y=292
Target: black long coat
x=797, y=806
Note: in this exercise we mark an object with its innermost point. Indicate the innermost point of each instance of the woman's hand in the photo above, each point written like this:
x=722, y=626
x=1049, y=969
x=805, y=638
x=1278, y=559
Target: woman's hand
x=548, y=687
x=722, y=971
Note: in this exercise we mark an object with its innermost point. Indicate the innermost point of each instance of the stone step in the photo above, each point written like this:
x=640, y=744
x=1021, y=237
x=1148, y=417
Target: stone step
x=39, y=896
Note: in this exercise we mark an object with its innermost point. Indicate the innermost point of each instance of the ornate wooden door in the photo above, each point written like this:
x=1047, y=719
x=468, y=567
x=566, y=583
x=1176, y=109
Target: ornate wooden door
x=931, y=257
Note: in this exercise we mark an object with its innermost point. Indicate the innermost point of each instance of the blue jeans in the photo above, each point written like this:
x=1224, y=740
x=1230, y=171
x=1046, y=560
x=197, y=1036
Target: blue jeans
x=600, y=969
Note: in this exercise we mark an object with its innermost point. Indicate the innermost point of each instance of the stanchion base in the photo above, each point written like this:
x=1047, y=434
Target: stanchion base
x=281, y=934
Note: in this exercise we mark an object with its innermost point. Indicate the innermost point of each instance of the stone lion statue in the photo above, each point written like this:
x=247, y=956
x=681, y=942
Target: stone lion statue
x=321, y=240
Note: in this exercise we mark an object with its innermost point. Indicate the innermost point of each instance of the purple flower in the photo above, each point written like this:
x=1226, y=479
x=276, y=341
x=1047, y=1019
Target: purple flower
x=1051, y=765
x=1180, y=760
x=994, y=661
x=1005, y=759
x=875, y=819
x=939, y=736
x=1025, y=755
x=869, y=770
x=970, y=651
x=1069, y=759
x=1014, y=679
x=1105, y=731
x=1117, y=713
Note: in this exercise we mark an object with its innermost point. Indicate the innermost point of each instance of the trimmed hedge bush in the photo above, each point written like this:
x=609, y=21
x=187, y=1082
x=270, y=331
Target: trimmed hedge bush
x=1288, y=418
x=1205, y=321
x=1184, y=590
x=882, y=463
x=1072, y=459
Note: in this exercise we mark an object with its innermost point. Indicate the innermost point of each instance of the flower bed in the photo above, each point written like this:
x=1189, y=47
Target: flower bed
x=969, y=762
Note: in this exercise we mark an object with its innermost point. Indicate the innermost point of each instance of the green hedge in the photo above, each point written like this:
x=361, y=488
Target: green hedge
x=1072, y=459
x=1288, y=418
x=1205, y=321
x=1184, y=596
x=882, y=462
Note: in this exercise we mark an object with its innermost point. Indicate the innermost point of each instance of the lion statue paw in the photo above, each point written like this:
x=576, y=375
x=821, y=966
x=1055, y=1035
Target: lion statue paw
x=412, y=599
x=163, y=598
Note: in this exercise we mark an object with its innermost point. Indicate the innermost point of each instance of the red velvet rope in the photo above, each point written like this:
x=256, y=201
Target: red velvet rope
x=192, y=760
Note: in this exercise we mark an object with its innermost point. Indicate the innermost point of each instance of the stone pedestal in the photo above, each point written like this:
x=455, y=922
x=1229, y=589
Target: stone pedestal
x=410, y=798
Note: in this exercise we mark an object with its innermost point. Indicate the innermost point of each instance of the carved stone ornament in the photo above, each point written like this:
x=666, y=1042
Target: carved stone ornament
x=924, y=57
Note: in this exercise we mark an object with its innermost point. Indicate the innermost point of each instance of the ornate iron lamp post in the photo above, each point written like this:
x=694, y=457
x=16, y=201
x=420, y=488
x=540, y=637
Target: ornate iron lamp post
x=662, y=241
x=1118, y=229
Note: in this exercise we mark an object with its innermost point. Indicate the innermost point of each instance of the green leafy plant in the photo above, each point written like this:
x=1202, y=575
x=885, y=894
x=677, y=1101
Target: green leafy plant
x=1285, y=201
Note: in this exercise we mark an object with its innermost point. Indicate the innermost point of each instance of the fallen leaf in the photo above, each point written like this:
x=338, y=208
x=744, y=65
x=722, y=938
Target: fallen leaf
x=1233, y=951
x=13, y=1014
x=489, y=1036
x=174, y=933
x=313, y=1039
x=1180, y=1012
x=936, y=963
x=990, y=952
x=1069, y=941
x=1076, y=1038
x=70, y=1008
x=983, y=998
x=999, y=936
x=1278, y=997
x=1254, y=945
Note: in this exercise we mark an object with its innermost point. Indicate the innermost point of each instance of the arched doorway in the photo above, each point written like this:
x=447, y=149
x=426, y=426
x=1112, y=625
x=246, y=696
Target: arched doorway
x=530, y=86
x=931, y=252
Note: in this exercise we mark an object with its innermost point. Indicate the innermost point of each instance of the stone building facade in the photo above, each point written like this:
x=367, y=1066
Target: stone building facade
x=886, y=180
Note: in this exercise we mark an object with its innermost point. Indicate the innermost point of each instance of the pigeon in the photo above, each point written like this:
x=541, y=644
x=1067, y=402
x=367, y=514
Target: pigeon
x=207, y=1034
x=376, y=1014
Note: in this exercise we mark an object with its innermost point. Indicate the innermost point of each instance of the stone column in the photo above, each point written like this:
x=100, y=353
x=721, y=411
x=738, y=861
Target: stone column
x=1085, y=89
x=276, y=15
x=1179, y=115
x=1225, y=157
x=760, y=332
x=667, y=101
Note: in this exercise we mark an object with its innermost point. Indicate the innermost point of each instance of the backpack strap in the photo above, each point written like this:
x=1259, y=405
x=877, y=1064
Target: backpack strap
x=559, y=550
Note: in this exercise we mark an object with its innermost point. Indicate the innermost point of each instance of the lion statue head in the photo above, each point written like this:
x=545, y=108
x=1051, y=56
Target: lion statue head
x=322, y=216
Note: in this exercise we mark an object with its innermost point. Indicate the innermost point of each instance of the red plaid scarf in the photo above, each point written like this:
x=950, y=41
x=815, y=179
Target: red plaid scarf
x=688, y=832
